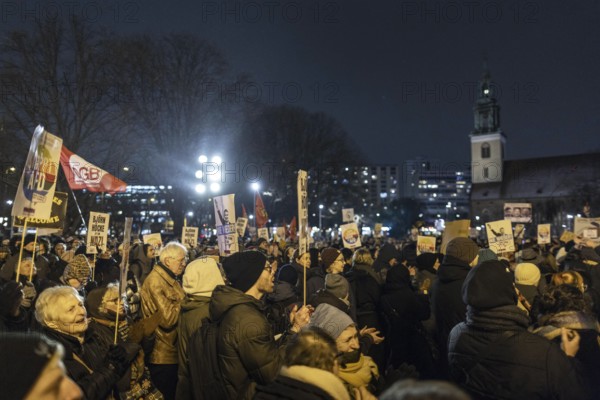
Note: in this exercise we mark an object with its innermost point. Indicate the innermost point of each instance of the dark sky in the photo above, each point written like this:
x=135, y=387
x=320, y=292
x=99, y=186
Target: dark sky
x=401, y=75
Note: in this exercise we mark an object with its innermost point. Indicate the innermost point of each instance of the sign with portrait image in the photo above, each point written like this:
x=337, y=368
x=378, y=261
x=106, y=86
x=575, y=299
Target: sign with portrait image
x=517, y=212
x=500, y=236
x=351, y=236
x=543, y=233
x=425, y=244
x=227, y=236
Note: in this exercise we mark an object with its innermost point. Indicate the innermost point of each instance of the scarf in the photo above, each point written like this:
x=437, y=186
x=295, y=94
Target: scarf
x=504, y=318
x=550, y=324
x=317, y=377
x=359, y=373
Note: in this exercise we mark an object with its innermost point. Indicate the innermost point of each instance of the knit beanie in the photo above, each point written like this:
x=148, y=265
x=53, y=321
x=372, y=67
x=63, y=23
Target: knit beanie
x=337, y=285
x=202, y=276
x=463, y=249
x=328, y=256
x=527, y=274
x=330, y=319
x=24, y=357
x=489, y=285
x=426, y=261
x=288, y=274
x=531, y=256
x=487, y=255
x=78, y=268
x=93, y=303
x=244, y=268
x=29, y=238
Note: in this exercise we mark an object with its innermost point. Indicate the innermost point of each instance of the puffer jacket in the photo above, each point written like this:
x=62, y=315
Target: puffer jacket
x=248, y=354
x=492, y=355
x=162, y=292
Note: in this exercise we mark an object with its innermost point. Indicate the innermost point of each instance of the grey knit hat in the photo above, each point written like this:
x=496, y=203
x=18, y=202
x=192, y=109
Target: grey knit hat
x=331, y=320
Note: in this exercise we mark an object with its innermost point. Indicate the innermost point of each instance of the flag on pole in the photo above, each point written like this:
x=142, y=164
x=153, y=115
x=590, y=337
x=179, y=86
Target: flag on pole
x=293, y=228
x=260, y=212
x=36, y=188
x=84, y=175
x=244, y=213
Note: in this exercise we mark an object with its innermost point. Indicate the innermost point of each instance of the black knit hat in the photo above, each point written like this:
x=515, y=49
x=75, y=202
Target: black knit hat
x=328, y=256
x=244, y=268
x=463, y=249
x=288, y=274
x=24, y=357
x=489, y=285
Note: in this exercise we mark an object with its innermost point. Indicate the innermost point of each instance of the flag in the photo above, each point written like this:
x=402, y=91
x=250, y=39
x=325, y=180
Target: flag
x=260, y=212
x=84, y=175
x=36, y=188
x=293, y=228
x=244, y=213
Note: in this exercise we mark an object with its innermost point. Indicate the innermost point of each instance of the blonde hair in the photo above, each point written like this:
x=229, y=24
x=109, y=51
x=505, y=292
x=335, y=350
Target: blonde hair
x=571, y=278
x=173, y=250
x=45, y=307
x=362, y=256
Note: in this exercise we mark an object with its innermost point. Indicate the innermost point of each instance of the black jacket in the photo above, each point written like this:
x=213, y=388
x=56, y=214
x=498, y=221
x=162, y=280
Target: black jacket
x=248, y=354
x=492, y=355
x=446, y=298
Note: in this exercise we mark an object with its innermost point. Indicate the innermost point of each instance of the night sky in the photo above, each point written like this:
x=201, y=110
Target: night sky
x=401, y=75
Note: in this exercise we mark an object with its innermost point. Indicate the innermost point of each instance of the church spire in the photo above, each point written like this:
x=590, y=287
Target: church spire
x=486, y=110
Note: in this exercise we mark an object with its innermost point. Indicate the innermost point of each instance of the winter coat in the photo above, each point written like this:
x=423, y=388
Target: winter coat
x=85, y=363
x=446, y=298
x=366, y=293
x=299, y=382
x=162, y=292
x=193, y=310
x=248, y=354
x=492, y=355
x=315, y=282
x=404, y=310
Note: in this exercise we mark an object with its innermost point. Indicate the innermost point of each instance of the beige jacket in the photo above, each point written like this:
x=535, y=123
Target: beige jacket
x=161, y=291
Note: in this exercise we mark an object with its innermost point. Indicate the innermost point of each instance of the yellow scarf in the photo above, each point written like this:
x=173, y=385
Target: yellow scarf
x=359, y=373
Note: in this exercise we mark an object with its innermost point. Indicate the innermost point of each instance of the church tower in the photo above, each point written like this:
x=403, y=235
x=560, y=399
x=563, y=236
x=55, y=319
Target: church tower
x=487, y=139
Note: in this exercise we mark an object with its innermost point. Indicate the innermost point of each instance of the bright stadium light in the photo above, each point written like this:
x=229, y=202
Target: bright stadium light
x=202, y=159
x=216, y=160
x=215, y=187
x=200, y=188
x=199, y=174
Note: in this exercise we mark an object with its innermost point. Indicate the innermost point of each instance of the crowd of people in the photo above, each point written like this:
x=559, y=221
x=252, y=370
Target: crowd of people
x=272, y=322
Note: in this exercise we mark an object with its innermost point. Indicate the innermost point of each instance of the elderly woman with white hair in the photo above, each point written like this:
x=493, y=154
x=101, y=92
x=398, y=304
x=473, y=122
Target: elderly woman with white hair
x=162, y=292
x=95, y=367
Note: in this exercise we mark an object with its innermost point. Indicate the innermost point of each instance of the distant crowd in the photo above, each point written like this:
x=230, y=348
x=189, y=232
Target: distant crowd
x=272, y=322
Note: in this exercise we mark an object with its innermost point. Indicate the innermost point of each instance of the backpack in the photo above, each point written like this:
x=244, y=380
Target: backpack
x=208, y=381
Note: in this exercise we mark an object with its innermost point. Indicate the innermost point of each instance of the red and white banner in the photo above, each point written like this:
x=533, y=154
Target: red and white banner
x=260, y=213
x=84, y=175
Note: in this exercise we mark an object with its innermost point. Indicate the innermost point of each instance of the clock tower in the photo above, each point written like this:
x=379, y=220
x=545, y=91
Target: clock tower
x=487, y=139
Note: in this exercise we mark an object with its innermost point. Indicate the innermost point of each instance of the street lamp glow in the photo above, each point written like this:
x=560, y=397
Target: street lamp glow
x=255, y=186
x=200, y=188
x=216, y=160
x=215, y=187
x=321, y=206
x=199, y=174
x=250, y=216
x=190, y=214
x=202, y=159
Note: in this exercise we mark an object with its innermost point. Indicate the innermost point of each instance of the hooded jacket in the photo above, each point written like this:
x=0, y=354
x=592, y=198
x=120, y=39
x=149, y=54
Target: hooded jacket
x=248, y=354
x=141, y=265
x=446, y=298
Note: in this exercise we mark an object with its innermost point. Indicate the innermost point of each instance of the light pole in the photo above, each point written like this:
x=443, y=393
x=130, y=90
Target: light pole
x=320, y=218
x=255, y=187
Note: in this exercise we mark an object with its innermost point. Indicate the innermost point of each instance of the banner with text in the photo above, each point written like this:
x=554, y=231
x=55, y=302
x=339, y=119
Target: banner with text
x=226, y=224
x=303, y=233
x=189, y=237
x=97, y=234
x=240, y=225
x=154, y=240
x=57, y=216
x=35, y=193
x=587, y=231
x=453, y=230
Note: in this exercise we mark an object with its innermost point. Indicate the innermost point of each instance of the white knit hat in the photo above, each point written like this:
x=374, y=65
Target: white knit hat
x=202, y=276
x=527, y=274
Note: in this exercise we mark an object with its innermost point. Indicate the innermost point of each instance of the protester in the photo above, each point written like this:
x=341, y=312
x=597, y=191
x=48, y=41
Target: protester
x=527, y=278
x=492, y=355
x=162, y=292
x=31, y=368
x=332, y=262
x=200, y=279
x=308, y=371
x=142, y=256
x=284, y=297
x=247, y=352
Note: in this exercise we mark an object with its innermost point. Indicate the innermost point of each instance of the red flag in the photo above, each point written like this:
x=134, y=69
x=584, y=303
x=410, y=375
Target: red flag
x=293, y=228
x=260, y=212
x=244, y=213
x=84, y=175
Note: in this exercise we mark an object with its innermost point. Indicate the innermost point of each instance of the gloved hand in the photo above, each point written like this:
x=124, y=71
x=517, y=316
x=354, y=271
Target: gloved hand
x=29, y=294
x=117, y=359
x=11, y=296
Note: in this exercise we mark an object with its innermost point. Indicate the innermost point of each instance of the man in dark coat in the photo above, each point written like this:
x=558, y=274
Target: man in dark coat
x=247, y=353
x=446, y=298
x=492, y=355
